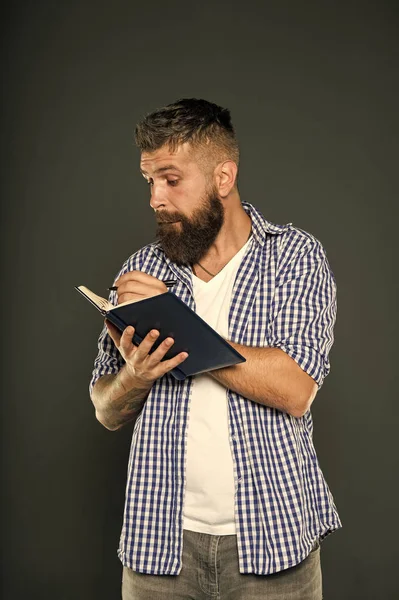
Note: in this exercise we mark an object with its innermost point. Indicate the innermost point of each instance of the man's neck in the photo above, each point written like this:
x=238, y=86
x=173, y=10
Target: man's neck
x=231, y=238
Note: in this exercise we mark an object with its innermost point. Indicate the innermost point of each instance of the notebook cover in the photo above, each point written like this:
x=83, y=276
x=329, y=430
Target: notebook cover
x=206, y=349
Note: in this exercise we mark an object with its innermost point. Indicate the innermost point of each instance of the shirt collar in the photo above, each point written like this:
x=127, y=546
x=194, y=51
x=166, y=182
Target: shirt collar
x=261, y=226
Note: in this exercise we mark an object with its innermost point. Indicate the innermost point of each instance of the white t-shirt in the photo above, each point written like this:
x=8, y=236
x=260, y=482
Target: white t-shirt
x=210, y=486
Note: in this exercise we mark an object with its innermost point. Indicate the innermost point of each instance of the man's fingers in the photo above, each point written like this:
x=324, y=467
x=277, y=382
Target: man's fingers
x=168, y=365
x=137, y=285
x=137, y=277
x=137, y=294
x=128, y=297
x=126, y=343
x=153, y=360
x=156, y=357
x=162, y=349
x=138, y=291
x=147, y=344
x=123, y=341
x=142, y=359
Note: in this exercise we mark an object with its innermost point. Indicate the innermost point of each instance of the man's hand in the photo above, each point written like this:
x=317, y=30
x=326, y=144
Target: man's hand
x=119, y=398
x=136, y=285
x=143, y=368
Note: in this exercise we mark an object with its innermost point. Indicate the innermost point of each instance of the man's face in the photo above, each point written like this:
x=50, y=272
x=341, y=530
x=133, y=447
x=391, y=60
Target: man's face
x=188, y=210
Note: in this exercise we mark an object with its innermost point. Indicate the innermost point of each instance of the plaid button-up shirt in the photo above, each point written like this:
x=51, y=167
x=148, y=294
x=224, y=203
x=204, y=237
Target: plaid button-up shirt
x=284, y=296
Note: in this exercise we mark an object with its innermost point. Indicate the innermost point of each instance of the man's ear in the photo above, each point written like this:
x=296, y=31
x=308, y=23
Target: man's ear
x=226, y=175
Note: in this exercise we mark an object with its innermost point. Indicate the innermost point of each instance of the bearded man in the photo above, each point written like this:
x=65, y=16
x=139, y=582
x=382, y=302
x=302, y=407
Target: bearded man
x=225, y=497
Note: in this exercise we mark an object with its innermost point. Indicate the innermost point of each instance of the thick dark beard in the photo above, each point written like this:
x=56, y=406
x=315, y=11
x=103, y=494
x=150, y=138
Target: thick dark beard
x=185, y=243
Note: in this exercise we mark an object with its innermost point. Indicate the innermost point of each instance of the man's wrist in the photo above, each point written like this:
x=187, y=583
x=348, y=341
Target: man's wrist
x=125, y=400
x=125, y=384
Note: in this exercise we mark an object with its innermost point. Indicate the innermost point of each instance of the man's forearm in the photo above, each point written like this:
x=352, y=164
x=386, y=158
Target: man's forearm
x=271, y=377
x=116, y=403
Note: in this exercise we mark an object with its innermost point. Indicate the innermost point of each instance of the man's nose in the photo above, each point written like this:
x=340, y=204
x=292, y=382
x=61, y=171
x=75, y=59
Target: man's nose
x=156, y=199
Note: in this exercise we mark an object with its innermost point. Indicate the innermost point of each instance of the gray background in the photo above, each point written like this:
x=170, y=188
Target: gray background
x=313, y=90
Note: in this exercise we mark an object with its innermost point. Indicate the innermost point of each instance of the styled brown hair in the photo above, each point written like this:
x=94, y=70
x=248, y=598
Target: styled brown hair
x=205, y=126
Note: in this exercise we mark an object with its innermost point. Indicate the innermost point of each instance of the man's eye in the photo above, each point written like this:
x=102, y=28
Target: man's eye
x=172, y=182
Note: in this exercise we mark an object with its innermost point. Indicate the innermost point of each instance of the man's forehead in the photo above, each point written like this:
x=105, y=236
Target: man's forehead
x=165, y=157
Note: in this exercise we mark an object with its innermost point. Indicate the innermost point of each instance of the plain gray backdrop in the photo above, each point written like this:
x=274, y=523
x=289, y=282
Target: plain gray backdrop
x=313, y=91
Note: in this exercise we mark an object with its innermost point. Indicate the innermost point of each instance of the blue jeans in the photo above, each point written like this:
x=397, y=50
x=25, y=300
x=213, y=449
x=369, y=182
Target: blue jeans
x=210, y=571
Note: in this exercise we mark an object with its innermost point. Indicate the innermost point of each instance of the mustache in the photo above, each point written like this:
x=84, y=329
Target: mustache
x=167, y=218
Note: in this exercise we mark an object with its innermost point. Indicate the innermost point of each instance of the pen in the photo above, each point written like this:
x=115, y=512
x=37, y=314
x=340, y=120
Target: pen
x=168, y=282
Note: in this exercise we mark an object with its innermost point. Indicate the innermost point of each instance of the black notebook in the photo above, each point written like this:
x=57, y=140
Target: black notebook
x=207, y=350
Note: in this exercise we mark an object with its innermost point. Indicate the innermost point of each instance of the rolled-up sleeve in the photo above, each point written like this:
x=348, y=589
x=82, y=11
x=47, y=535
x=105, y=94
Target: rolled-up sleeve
x=304, y=309
x=108, y=360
